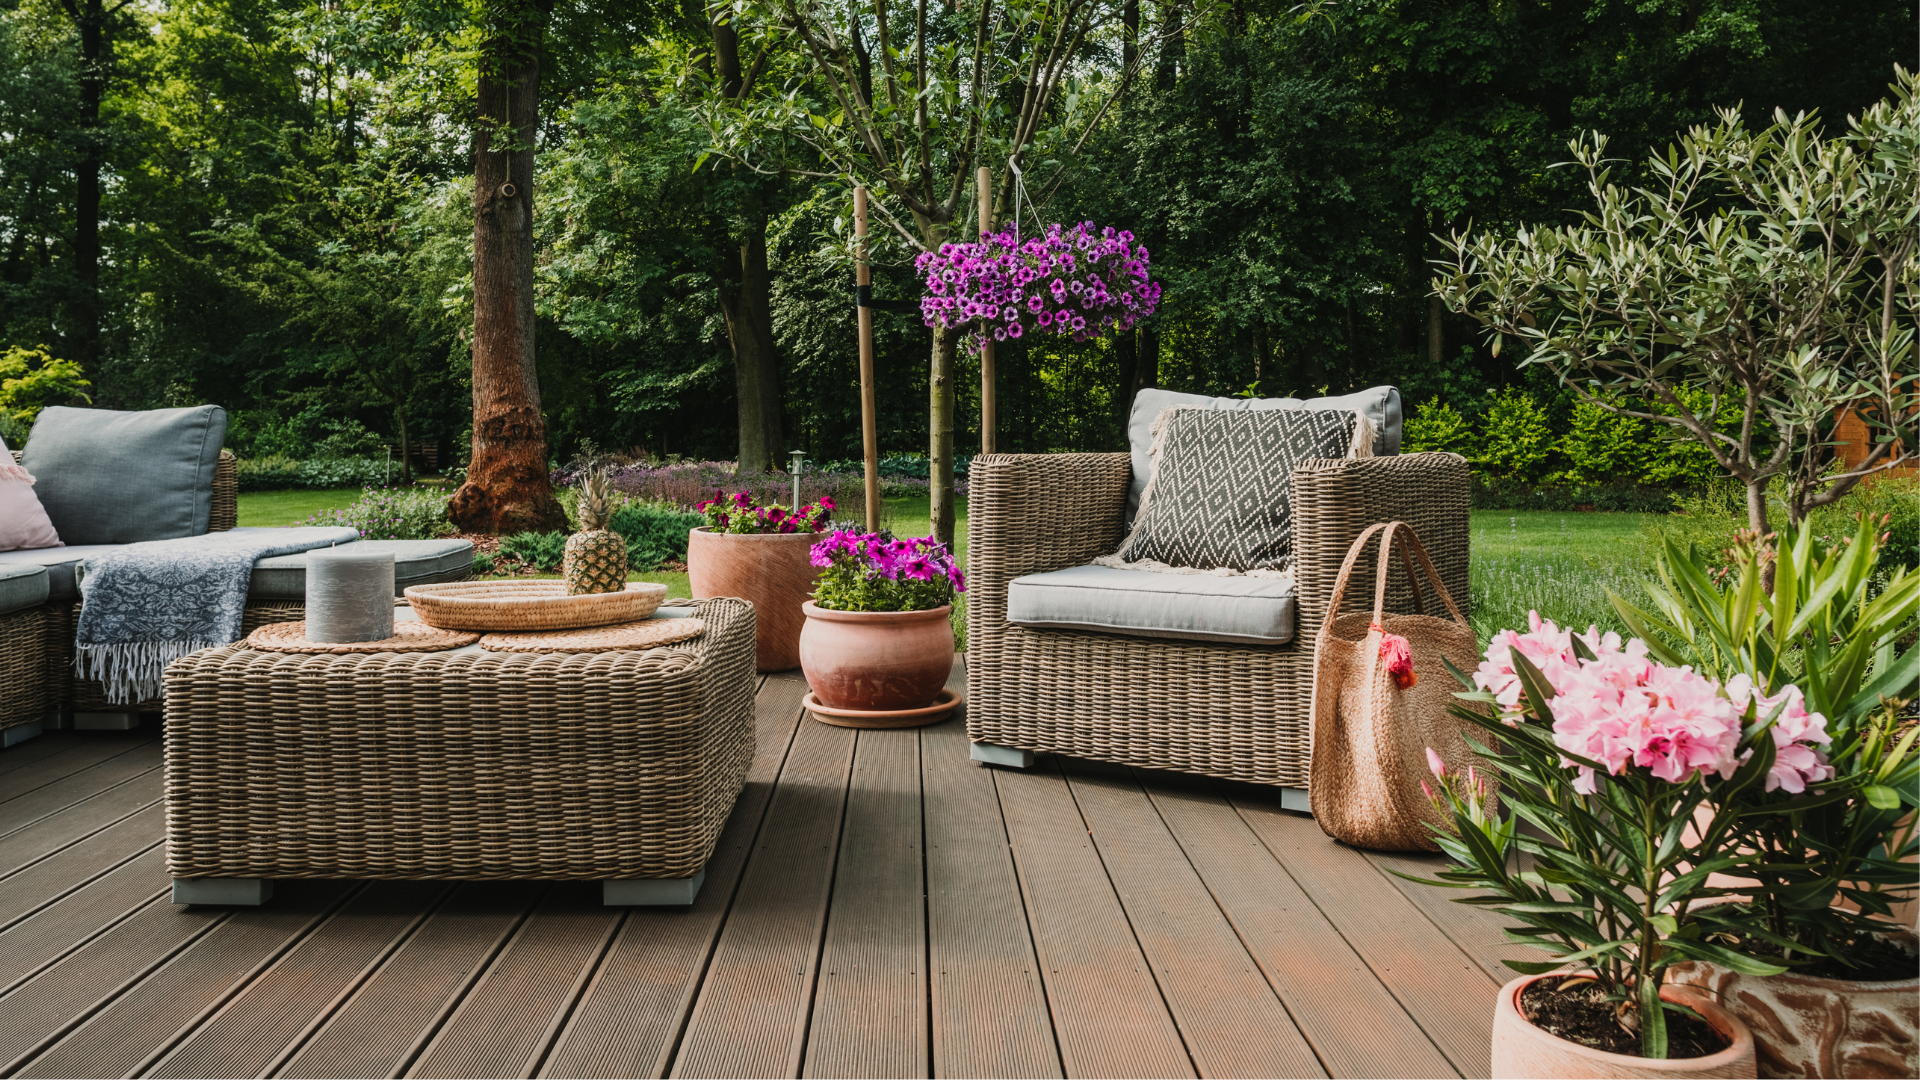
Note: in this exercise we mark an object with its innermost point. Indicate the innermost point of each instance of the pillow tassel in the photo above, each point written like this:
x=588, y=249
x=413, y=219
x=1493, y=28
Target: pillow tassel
x=1363, y=436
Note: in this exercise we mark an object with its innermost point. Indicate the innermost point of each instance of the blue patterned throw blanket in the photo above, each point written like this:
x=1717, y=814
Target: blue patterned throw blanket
x=146, y=605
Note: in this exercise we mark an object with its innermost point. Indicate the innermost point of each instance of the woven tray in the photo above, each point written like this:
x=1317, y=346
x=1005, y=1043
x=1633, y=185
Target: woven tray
x=645, y=634
x=407, y=637
x=521, y=606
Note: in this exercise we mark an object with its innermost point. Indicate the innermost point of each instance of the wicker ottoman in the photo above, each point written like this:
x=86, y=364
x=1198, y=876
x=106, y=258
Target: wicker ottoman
x=619, y=767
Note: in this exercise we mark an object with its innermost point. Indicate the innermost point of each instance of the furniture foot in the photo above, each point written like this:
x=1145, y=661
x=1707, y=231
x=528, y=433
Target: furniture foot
x=1293, y=798
x=652, y=892
x=20, y=733
x=106, y=721
x=223, y=891
x=989, y=754
x=58, y=720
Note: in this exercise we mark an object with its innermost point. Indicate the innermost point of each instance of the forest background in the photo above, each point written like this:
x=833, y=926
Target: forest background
x=268, y=206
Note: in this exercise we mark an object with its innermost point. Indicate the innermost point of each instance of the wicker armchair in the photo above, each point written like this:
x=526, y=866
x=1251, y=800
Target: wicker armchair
x=1237, y=712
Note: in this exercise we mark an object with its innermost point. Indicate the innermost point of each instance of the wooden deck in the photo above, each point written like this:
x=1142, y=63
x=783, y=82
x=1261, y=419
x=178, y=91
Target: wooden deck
x=878, y=906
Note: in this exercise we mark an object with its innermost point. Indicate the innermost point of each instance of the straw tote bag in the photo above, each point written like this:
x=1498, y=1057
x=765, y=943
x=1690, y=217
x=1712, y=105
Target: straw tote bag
x=1374, y=718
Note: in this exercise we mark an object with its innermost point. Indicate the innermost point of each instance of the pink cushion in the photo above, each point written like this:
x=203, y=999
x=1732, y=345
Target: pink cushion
x=23, y=521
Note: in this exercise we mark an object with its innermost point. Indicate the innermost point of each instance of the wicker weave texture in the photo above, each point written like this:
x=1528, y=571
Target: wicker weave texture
x=459, y=765
x=1235, y=712
x=23, y=667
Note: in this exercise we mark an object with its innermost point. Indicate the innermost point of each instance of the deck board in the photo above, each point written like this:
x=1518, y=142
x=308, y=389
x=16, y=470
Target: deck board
x=1231, y=1020
x=877, y=905
x=631, y=1016
x=990, y=1013
x=870, y=1007
x=1354, y=1024
x=750, y=1018
x=1107, y=1011
x=1447, y=993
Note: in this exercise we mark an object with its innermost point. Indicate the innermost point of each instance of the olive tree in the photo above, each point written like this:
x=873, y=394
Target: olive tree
x=1771, y=270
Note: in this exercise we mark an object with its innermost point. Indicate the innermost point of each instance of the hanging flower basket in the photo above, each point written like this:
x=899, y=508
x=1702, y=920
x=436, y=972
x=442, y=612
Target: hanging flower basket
x=1076, y=282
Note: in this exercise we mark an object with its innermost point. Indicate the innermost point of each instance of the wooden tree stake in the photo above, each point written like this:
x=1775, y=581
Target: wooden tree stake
x=988, y=417
x=869, y=434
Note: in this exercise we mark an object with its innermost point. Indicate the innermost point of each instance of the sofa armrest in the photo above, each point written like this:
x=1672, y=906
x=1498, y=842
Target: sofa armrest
x=224, y=514
x=1334, y=500
x=1031, y=513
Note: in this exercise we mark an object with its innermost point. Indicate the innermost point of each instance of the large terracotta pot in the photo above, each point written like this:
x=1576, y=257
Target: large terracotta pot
x=1521, y=1050
x=771, y=571
x=1807, y=1027
x=876, y=660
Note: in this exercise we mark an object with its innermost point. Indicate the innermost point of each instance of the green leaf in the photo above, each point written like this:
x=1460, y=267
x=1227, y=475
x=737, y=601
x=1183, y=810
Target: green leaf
x=1881, y=797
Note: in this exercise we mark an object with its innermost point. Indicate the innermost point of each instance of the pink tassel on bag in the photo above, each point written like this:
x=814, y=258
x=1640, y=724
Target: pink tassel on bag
x=1399, y=657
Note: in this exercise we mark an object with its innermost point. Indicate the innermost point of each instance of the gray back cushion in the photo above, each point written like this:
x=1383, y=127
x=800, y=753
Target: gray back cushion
x=1223, y=490
x=110, y=477
x=1381, y=405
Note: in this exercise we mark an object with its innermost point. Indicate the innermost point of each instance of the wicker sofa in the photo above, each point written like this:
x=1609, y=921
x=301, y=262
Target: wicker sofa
x=1238, y=712
x=38, y=686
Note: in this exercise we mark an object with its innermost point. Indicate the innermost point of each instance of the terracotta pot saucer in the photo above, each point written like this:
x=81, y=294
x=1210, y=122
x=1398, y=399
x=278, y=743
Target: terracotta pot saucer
x=945, y=702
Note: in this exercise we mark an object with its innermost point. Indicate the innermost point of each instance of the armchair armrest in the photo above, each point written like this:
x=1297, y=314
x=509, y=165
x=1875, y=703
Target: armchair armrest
x=1334, y=500
x=1031, y=513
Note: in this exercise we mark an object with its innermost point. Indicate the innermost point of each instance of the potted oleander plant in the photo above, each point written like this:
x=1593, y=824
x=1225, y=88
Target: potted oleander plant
x=1831, y=652
x=877, y=647
x=1634, y=777
x=761, y=554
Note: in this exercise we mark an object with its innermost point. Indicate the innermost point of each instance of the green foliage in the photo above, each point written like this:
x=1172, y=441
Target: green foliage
x=654, y=534
x=482, y=564
x=415, y=513
x=1434, y=425
x=283, y=473
x=1827, y=631
x=543, y=551
x=31, y=380
x=1515, y=438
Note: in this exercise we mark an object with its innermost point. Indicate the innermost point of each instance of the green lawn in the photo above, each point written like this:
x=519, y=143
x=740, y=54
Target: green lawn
x=274, y=508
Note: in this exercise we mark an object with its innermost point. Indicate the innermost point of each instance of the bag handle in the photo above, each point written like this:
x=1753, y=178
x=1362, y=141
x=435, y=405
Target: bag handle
x=1380, y=578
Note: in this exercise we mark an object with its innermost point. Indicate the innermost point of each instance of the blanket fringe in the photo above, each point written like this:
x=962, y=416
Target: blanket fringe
x=134, y=671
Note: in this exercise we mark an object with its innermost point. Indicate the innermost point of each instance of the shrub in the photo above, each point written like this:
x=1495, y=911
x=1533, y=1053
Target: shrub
x=654, y=534
x=32, y=379
x=1515, y=438
x=414, y=513
x=1436, y=426
x=279, y=472
x=543, y=551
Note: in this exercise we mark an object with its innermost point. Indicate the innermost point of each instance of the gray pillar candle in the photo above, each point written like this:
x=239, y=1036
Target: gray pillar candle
x=349, y=594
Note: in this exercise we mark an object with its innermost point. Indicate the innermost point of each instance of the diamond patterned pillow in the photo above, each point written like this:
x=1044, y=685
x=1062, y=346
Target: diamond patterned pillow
x=1223, y=485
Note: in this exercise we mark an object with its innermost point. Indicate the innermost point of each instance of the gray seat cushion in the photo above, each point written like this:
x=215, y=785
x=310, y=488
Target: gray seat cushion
x=415, y=562
x=22, y=586
x=283, y=577
x=110, y=477
x=1195, y=607
x=60, y=563
x=1381, y=405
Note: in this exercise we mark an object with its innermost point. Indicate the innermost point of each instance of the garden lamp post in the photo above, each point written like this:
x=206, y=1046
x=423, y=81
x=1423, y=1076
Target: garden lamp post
x=799, y=459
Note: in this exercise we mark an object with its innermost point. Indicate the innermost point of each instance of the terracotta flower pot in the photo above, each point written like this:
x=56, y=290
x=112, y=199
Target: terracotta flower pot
x=771, y=571
x=1805, y=1026
x=1522, y=1050
x=876, y=660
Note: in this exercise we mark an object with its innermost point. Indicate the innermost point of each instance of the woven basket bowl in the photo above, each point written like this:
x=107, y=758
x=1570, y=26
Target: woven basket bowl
x=529, y=605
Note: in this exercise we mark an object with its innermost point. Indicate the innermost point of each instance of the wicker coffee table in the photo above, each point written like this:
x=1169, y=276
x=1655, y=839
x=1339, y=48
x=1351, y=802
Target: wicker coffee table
x=618, y=767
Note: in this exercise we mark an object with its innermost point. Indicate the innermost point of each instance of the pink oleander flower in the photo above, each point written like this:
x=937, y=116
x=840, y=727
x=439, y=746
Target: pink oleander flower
x=1549, y=648
x=1797, y=763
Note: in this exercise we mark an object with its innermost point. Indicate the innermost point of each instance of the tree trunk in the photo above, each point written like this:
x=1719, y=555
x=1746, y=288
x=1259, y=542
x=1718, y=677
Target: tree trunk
x=1436, y=332
x=1149, y=360
x=1757, y=509
x=946, y=345
x=1127, y=353
x=406, y=447
x=747, y=305
x=507, y=488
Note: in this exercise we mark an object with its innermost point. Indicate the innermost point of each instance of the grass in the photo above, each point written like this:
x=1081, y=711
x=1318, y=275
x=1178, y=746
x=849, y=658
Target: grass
x=1560, y=565
x=270, y=509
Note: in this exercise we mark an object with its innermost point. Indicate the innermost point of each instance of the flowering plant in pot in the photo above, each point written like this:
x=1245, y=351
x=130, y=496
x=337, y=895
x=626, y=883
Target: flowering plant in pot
x=878, y=643
x=759, y=554
x=1070, y=281
x=1826, y=650
x=1630, y=773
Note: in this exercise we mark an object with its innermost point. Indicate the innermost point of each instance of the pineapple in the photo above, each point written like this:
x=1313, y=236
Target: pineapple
x=596, y=558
